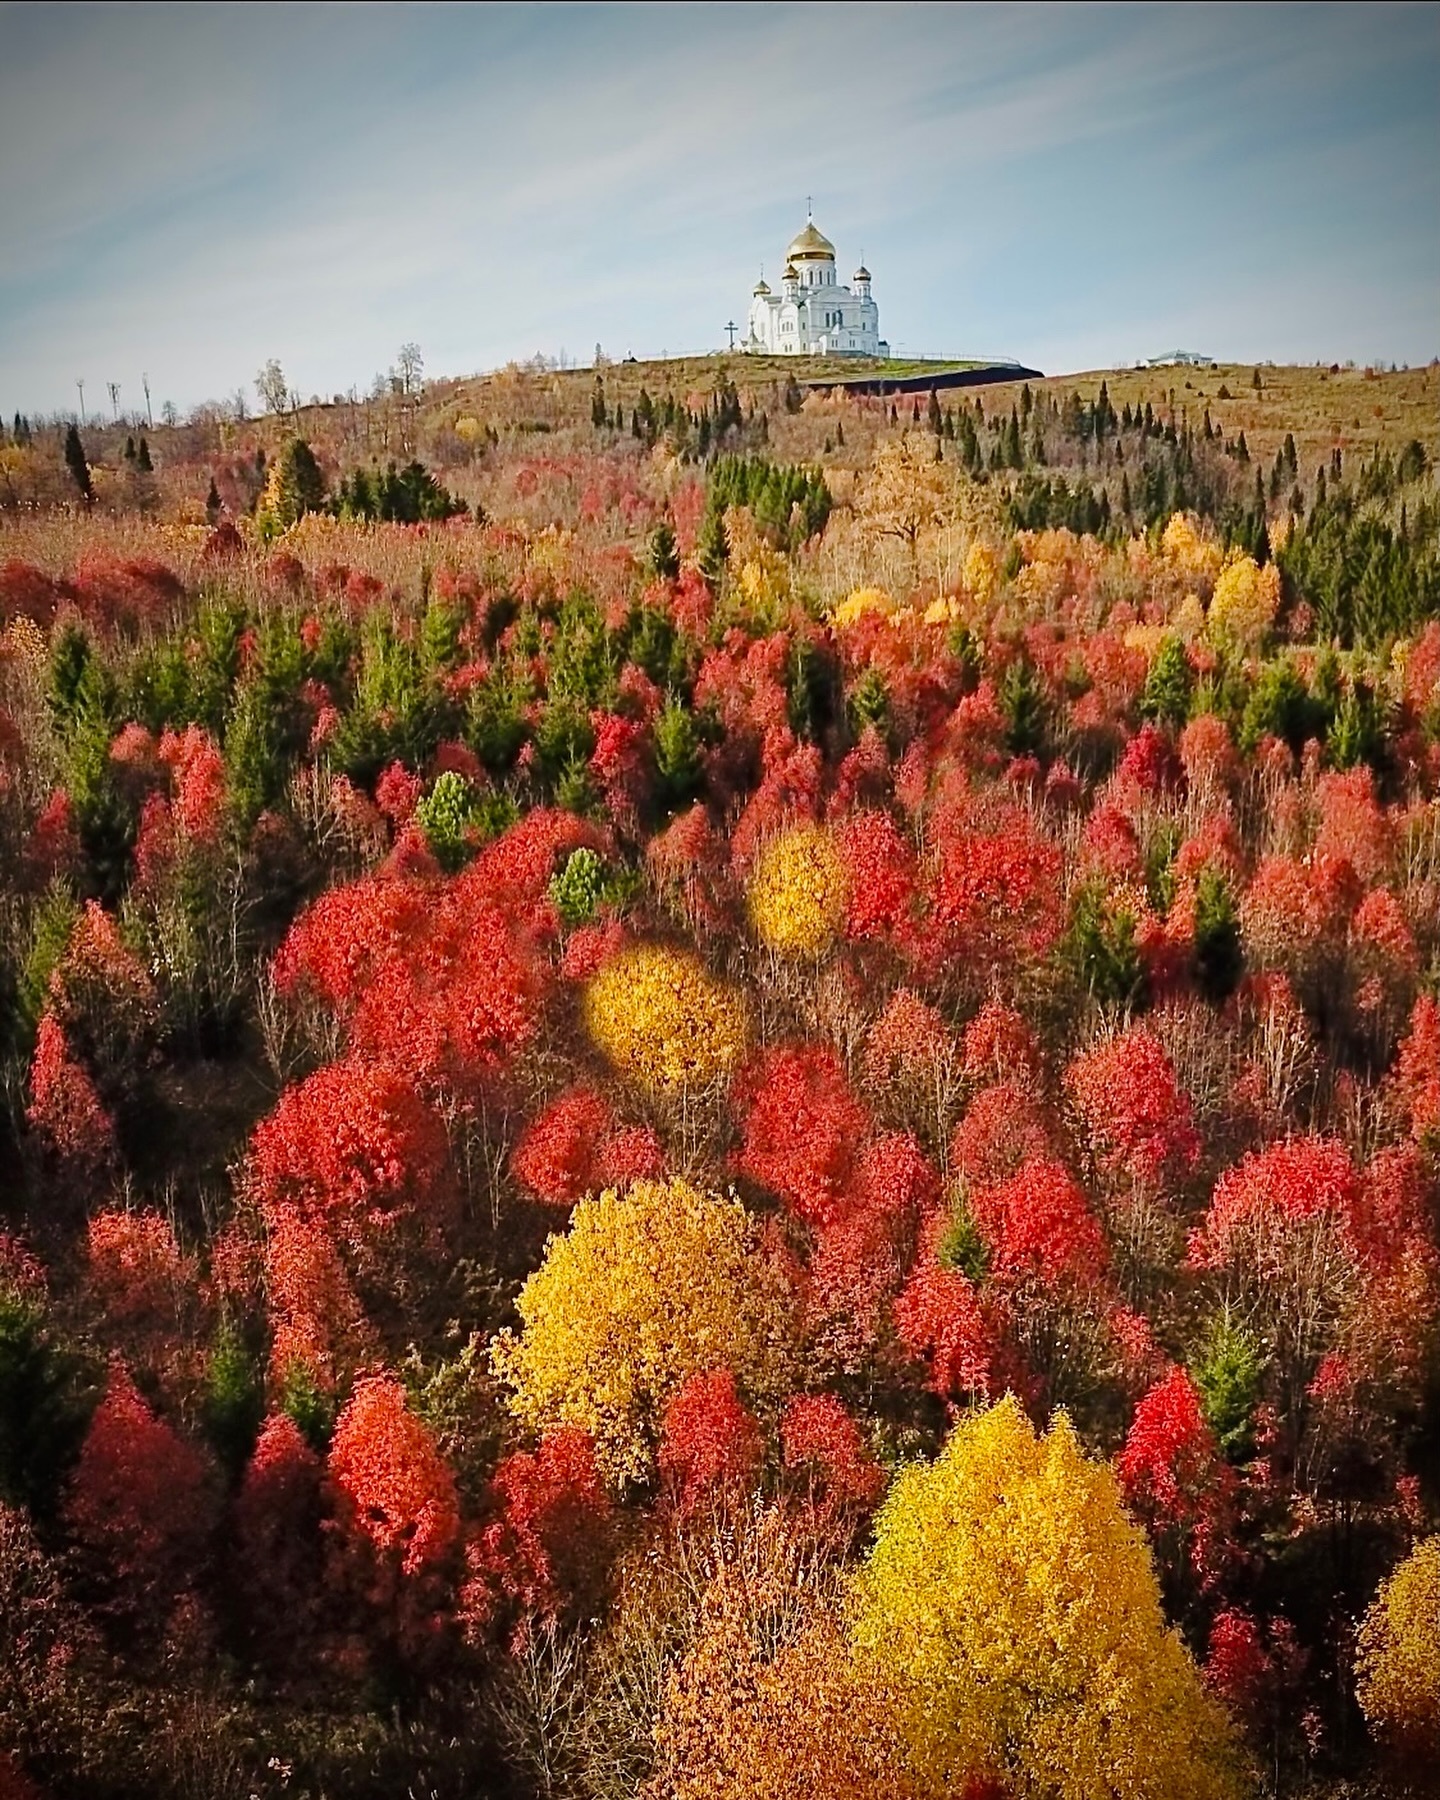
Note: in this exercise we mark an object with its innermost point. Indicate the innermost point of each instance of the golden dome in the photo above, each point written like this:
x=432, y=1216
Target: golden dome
x=861, y=274
x=762, y=286
x=791, y=272
x=811, y=246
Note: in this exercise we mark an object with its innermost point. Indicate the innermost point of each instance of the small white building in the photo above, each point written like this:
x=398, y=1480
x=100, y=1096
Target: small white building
x=813, y=315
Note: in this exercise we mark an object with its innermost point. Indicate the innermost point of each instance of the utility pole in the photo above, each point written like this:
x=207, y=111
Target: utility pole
x=732, y=328
x=114, y=387
x=80, y=383
x=145, y=383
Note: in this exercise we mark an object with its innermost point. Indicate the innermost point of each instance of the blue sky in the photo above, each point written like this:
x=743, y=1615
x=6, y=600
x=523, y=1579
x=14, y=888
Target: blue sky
x=189, y=190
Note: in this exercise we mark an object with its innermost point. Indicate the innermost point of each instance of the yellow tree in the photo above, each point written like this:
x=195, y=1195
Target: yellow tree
x=1244, y=604
x=1398, y=1662
x=663, y=1019
x=641, y=1292
x=905, y=491
x=1016, y=1608
x=798, y=892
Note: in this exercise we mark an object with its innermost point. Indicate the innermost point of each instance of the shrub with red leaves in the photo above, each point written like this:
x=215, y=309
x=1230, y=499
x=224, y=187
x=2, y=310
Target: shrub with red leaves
x=26, y=590
x=940, y=1320
x=1294, y=915
x=65, y=1112
x=135, y=1269
x=995, y=897
x=999, y=1046
x=1283, y=1186
x=318, y=1325
x=1353, y=824
x=545, y=1552
x=198, y=770
x=879, y=866
x=140, y=1505
x=801, y=1130
x=1172, y=1474
x=277, y=1556
x=1038, y=1225
x=397, y=793
x=710, y=1445
x=54, y=842
x=1417, y=1070
x=1256, y=1672
x=356, y=1144
x=396, y=1491
x=1004, y=1128
x=558, y=1156
x=440, y=979
x=820, y=1440
x=1138, y=1117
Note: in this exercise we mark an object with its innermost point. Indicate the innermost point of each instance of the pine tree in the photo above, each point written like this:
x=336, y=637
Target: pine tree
x=75, y=462
x=142, y=459
x=129, y=451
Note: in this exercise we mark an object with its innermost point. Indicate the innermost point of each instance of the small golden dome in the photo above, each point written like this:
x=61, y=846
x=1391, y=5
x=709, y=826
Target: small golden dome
x=791, y=272
x=762, y=286
x=861, y=274
x=811, y=246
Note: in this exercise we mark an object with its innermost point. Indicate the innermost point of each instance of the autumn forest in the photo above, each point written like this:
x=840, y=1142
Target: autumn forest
x=712, y=1088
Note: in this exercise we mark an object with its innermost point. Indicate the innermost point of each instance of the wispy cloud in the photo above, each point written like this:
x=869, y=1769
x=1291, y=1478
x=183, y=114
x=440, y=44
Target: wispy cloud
x=192, y=190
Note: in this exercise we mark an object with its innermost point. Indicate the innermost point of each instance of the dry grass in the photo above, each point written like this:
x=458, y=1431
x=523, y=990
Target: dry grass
x=1352, y=410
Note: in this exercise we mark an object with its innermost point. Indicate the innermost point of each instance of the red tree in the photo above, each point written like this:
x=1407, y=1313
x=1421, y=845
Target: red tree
x=1038, y=1224
x=710, y=1444
x=820, y=1440
x=546, y=1549
x=140, y=1505
x=1138, y=1116
x=65, y=1112
x=801, y=1130
x=354, y=1143
x=277, y=1560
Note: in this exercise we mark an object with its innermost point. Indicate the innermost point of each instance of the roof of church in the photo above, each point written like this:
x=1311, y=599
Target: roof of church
x=861, y=274
x=762, y=286
x=811, y=246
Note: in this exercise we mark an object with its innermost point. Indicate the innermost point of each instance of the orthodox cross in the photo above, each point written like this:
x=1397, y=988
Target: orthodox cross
x=732, y=328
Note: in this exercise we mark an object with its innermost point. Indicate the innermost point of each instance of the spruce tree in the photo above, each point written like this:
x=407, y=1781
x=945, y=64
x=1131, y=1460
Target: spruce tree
x=934, y=416
x=212, y=503
x=664, y=557
x=129, y=451
x=75, y=462
x=301, y=486
x=142, y=459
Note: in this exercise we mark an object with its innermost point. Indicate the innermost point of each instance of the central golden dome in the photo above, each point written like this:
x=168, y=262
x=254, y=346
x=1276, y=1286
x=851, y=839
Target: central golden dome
x=811, y=246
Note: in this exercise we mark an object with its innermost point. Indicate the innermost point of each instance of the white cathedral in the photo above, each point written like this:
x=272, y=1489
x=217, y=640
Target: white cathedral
x=813, y=315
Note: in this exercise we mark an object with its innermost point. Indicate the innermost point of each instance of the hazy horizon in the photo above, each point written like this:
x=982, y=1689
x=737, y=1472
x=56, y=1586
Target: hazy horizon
x=187, y=192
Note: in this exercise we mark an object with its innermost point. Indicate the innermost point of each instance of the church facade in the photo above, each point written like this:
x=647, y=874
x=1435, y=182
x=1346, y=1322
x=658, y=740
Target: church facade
x=813, y=315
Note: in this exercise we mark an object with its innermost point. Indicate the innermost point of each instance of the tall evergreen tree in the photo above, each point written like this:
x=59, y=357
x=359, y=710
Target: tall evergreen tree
x=75, y=462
